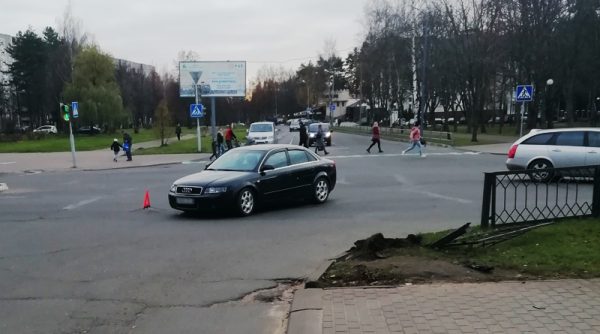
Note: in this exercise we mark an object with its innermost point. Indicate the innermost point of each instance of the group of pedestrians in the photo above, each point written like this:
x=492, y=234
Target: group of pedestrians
x=319, y=138
x=225, y=141
x=126, y=146
x=416, y=140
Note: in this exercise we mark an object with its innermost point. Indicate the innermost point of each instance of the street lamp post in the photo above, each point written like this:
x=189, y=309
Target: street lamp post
x=307, y=94
x=549, y=116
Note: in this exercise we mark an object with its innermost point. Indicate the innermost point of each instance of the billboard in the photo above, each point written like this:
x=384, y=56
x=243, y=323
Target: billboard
x=215, y=78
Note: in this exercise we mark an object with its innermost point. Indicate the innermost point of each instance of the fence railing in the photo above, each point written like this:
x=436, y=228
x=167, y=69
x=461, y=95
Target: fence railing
x=400, y=133
x=532, y=196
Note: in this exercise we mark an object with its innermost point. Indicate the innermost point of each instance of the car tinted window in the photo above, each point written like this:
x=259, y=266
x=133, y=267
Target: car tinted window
x=261, y=128
x=541, y=139
x=277, y=160
x=594, y=139
x=570, y=138
x=237, y=160
x=313, y=127
x=297, y=156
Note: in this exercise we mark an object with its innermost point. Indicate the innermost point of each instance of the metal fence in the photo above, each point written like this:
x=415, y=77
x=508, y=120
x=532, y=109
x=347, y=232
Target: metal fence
x=532, y=196
x=440, y=137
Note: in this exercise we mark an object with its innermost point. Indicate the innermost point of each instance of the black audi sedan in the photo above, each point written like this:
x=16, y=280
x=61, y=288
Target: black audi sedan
x=247, y=176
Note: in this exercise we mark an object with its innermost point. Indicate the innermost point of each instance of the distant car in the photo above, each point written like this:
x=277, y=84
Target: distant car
x=294, y=125
x=247, y=176
x=262, y=133
x=89, y=130
x=555, y=148
x=47, y=129
x=312, y=132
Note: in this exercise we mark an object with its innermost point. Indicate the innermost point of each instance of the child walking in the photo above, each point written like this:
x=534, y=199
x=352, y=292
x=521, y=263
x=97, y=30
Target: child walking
x=116, y=147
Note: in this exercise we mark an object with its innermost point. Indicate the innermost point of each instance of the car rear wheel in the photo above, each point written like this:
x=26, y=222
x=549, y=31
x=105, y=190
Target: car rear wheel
x=543, y=174
x=320, y=190
x=246, y=202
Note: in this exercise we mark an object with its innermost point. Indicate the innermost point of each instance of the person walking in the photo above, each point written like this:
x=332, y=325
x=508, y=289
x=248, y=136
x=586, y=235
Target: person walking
x=214, y=151
x=375, y=138
x=178, y=131
x=303, y=135
x=229, y=136
x=127, y=143
x=116, y=147
x=415, y=139
x=220, y=148
x=320, y=142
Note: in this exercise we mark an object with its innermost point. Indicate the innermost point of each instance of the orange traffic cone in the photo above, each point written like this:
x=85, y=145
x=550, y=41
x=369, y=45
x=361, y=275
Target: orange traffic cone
x=147, y=200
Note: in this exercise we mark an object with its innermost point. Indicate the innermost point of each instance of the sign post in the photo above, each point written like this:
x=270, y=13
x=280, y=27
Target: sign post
x=197, y=112
x=524, y=94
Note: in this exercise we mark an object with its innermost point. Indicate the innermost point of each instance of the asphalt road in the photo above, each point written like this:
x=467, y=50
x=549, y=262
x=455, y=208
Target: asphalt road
x=79, y=255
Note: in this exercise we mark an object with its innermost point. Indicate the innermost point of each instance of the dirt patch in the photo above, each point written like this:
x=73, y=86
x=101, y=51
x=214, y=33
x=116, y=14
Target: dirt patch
x=378, y=261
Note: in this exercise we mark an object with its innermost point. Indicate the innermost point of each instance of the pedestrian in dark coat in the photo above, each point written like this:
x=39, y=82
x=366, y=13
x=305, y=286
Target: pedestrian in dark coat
x=178, y=131
x=115, y=147
x=303, y=135
x=220, y=148
x=375, y=138
x=320, y=141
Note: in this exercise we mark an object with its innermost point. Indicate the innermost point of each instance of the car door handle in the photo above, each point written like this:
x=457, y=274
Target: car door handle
x=593, y=152
x=555, y=150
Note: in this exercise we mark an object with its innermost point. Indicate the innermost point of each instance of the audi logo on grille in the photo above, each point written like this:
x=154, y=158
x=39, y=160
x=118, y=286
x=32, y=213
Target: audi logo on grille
x=187, y=190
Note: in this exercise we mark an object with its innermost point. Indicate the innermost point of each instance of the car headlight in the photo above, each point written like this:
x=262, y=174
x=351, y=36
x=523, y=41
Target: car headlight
x=174, y=188
x=270, y=137
x=312, y=135
x=328, y=134
x=215, y=190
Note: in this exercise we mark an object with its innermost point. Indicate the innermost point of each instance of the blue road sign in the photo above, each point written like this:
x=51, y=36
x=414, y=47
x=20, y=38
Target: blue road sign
x=524, y=93
x=75, y=108
x=332, y=107
x=196, y=110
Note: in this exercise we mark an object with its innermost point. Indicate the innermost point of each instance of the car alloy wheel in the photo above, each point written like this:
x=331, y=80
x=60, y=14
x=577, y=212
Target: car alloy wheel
x=321, y=190
x=543, y=175
x=246, y=202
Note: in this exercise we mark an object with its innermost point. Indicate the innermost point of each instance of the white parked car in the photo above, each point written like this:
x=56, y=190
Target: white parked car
x=295, y=125
x=262, y=133
x=555, y=148
x=47, y=129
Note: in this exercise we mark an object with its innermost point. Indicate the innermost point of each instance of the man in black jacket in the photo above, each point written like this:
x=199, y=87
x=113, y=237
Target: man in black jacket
x=303, y=135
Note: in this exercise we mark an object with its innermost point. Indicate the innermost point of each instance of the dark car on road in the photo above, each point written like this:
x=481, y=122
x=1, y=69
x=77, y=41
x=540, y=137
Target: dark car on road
x=312, y=133
x=86, y=130
x=247, y=176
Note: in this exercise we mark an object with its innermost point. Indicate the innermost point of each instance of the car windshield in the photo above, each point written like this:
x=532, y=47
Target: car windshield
x=261, y=128
x=313, y=127
x=238, y=160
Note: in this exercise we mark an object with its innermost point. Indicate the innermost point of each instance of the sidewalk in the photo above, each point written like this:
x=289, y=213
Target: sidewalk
x=500, y=149
x=566, y=306
x=91, y=160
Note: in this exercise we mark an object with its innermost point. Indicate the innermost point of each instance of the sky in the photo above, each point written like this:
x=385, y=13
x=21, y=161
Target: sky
x=262, y=32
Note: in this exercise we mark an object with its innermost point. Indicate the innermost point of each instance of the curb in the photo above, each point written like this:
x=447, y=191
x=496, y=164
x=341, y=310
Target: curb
x=129, y=167
x=306, y=313
x=3, y=187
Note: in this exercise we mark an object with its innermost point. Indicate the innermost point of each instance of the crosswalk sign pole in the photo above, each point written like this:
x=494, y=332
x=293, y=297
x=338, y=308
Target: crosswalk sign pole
x=198, y=125
x=522, y=115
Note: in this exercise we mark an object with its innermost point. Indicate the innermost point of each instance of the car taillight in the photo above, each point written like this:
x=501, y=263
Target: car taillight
x=512, y=151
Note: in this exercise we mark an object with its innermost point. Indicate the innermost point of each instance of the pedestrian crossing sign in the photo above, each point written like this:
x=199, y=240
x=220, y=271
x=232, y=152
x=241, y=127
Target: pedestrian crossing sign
x=196, y=110
x=524, y=93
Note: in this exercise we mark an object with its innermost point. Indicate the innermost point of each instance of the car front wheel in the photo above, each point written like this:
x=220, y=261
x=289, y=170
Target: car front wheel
x=246, y=202
x=542, y=174
x=320, y=190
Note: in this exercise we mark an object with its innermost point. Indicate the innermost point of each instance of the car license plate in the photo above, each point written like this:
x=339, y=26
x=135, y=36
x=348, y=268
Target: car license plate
x=184, y=201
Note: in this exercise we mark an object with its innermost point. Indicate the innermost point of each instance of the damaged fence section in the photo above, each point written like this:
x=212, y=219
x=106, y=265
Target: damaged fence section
x=533, y=196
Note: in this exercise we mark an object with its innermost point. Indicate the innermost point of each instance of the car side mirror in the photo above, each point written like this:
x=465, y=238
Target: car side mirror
x=247, y=131
x=265, y=168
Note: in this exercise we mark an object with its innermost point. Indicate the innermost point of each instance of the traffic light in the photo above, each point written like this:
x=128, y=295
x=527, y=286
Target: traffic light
x=64, y=109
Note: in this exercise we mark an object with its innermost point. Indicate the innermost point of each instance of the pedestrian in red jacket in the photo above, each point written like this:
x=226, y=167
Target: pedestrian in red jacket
x=375, y=139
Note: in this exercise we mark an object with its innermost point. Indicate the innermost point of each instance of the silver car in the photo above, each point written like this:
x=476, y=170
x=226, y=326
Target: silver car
x=555, y=148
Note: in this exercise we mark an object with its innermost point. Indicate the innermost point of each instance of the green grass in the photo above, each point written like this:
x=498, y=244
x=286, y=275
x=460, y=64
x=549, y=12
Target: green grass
x=189, y=145
x=60, y=142
x=569, y=248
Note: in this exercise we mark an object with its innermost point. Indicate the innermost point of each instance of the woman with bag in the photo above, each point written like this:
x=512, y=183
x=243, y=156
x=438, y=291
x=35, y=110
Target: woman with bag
x=415, y=139
x=375, y=138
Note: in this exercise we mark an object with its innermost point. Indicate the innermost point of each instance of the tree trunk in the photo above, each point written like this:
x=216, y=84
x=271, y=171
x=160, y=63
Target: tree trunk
x=570, y=103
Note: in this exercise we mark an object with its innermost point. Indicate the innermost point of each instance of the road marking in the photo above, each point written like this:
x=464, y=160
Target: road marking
x=440, y=196
x=400, y=154
x=292, y=140
x=82, y=203
x=8, y=163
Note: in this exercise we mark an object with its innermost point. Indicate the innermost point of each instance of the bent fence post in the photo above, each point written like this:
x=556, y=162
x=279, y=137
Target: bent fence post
x=489, y=180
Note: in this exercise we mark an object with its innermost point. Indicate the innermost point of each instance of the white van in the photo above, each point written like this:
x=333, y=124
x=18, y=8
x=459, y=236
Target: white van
x=262, y=133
